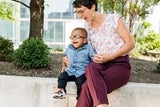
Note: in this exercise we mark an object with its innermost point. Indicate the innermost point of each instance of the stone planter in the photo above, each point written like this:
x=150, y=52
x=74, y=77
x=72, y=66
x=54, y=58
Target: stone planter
x=17, y=91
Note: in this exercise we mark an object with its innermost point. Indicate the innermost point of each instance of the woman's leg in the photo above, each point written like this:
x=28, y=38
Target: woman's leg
x=117, y=74
x=103, y=79
x=85, y=99
x=89, y=90
x=96, y=83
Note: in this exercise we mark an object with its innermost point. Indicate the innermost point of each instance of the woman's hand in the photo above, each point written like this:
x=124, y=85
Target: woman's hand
x=102, y=58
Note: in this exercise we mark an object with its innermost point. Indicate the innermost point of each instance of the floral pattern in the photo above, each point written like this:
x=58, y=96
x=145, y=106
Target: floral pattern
x=105, y=38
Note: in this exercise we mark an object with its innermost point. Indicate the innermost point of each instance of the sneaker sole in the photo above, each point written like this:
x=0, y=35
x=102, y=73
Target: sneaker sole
x=59, y=97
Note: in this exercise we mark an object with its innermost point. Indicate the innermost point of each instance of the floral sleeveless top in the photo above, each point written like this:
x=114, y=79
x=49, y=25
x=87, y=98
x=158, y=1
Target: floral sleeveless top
x=105, y=38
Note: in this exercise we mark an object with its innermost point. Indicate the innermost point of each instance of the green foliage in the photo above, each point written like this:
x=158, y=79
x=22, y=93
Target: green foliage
x=33, y=53
x=6, y=10
x=150, y=42
x=146, y=24
x=128, y=7
x=6, y=49
x=110, y=5
x=135, y=53
x=146, y=39
x=133, y=9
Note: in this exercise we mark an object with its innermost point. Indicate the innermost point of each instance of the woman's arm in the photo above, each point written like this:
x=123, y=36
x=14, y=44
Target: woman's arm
x=125, y=49
x=129, y=43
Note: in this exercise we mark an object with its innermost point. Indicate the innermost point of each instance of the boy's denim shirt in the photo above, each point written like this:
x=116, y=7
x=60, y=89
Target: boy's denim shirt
x=79, y=59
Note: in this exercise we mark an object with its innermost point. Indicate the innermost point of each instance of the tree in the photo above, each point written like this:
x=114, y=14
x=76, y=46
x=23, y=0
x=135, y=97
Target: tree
x=36, y=17
x=132, y=10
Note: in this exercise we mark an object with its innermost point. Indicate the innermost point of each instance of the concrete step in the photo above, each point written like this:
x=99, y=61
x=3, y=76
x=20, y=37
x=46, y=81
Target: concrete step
x=17, y=91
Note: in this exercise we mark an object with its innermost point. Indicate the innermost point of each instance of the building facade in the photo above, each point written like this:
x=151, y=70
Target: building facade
x=59, y=21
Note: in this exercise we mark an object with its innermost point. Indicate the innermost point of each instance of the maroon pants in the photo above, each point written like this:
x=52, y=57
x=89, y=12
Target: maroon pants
x=103, y=79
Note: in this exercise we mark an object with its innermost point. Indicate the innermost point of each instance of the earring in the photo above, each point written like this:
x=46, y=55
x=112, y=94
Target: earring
x=93, y=15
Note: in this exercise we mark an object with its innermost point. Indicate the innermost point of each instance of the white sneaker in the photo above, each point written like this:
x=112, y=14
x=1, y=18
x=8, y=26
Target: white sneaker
x=59, y=95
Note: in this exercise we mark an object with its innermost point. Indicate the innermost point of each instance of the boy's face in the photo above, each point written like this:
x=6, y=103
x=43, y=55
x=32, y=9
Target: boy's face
x=78, y=39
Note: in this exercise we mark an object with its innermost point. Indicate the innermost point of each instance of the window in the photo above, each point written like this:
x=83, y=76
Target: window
x=24, y=30
x=58, y=22
x=24, y=12
x=54, y=31
x=61, y=9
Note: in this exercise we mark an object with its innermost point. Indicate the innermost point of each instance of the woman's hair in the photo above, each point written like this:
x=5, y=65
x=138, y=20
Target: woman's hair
x=86, y=3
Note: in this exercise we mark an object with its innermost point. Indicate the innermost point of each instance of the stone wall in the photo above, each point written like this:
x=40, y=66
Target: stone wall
x=16, y=91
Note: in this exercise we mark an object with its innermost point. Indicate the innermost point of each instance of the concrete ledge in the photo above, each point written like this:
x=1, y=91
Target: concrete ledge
x=16, y=91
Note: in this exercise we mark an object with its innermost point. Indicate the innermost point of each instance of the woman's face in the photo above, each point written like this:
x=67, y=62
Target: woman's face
x=85, y=13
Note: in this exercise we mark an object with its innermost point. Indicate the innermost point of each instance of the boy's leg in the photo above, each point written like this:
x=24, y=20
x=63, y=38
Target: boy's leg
x=62, y=80
x=79, y=81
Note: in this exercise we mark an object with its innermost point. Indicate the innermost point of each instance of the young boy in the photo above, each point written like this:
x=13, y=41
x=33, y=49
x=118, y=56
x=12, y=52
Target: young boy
x=79, y=54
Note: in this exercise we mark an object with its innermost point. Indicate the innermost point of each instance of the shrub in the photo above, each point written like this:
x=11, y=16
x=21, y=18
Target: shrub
x=146, y=39
x=150, y=42
x=6, y=49
x=33, y=53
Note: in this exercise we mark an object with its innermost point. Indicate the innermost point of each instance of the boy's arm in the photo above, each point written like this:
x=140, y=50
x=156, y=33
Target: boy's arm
x=91, y=52
x=65, y=60
x=63, y=64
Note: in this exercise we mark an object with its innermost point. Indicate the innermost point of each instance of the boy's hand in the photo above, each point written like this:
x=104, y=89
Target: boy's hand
x=66, y=60
x=63, y=69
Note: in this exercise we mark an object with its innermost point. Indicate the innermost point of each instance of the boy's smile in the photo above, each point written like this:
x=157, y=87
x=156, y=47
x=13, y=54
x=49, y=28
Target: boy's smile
x=78, y=39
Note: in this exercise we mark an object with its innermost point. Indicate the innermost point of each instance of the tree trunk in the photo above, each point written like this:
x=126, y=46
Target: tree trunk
x=36, y=18
x=131, y=26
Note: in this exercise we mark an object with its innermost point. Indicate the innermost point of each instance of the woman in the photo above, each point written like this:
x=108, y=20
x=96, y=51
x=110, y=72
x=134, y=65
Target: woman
x=112, y=42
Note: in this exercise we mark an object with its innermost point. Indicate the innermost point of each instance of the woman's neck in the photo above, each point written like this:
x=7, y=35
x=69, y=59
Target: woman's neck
x=98, y=20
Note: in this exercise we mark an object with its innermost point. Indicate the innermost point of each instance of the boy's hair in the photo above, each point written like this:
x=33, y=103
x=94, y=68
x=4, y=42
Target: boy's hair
x=83, y=31
x=86, y=3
